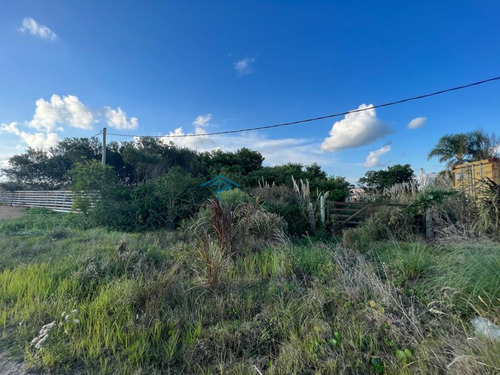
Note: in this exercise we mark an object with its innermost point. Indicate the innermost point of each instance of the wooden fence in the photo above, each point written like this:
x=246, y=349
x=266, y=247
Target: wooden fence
x=55, y=200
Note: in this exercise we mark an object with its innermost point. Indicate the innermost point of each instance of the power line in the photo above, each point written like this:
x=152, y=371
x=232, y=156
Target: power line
x=388, y=104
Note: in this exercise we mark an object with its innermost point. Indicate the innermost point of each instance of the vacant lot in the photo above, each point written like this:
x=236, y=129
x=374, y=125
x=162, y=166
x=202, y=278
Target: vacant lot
x=148, y=303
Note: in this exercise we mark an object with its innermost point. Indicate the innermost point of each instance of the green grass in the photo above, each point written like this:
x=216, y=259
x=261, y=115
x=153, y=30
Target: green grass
x=312, y=308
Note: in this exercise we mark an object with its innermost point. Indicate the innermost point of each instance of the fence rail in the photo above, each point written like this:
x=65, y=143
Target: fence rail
x=353, y=213
x=55, y=200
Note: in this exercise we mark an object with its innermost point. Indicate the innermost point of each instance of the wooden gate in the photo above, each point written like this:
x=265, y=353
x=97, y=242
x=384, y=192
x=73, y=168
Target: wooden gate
x=350, y=214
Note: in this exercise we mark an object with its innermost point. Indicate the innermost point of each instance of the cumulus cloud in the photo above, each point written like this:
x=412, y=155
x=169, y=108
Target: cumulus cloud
x=196, y=140
x=51, y=117
x=373, y=158
x=67, y=110
x=31, y=26
x=118, y=119
x=33, y=140
x=356, y=129
x=417, y=122
x=244, y=67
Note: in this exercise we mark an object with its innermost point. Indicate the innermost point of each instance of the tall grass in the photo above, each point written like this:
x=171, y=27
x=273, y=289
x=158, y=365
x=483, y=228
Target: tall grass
x=399, y=308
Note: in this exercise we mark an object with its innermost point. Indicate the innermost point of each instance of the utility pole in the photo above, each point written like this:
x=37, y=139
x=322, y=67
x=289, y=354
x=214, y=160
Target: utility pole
x=103, y=146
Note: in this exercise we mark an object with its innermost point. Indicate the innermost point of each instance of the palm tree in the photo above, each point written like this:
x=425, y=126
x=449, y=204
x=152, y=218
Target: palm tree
x=452, y=148
x=459, y=148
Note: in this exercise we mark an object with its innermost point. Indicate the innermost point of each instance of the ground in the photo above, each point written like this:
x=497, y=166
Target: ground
x=8, y=367
x=8, y=212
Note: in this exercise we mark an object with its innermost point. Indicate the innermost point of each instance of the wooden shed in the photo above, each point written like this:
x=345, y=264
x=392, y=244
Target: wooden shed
x=469, y=177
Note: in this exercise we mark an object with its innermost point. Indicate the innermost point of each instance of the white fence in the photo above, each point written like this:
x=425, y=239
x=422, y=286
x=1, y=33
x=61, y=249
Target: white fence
x=56, y=200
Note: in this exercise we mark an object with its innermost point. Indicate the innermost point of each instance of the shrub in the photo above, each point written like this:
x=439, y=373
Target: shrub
x=489, y=210
x=234, y=197
x=283, y=201
x=165, y=201
x=248, y=227
x=159, y=203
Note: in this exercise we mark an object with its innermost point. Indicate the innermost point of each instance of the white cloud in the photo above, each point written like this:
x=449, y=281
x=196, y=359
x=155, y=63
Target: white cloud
x=199, y=141
x=417, y=122
x=67, y=110
x=33, y=140
x=244, y=67
x=118, y=119
x=203, y=120
x=356, y=129
x=34, y=28
x=373, y=158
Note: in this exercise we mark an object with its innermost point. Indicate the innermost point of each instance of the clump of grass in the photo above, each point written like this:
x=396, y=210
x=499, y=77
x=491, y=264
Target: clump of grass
x=409, y=261
x=385, y=224
x=214, y=262
x=467, y=276
x=248, y=227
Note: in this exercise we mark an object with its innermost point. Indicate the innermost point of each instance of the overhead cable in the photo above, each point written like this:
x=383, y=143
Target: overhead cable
x=388, y=104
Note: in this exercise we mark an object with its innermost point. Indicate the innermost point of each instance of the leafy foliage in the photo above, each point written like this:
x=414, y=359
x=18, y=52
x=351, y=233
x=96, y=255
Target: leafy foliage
x=429, y=197
x=462, y=147
x=383, y=179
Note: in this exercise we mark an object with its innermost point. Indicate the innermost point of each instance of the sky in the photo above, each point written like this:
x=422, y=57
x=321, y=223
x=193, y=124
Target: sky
x=71, y=68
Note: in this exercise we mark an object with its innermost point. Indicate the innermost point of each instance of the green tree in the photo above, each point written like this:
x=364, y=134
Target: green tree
x=463, y=147
x=451, y=148
x=380, y=180
x=47, y=169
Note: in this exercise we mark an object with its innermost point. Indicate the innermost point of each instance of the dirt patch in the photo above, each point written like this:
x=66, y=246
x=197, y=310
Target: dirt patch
x=10, y=368
x=8, y=212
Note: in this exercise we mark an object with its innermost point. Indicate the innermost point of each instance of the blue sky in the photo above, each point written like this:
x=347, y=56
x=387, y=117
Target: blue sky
x=70, y=68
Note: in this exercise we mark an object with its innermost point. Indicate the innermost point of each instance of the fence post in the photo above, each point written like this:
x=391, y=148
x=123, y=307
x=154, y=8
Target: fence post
x=323, y=211
x=428, y=223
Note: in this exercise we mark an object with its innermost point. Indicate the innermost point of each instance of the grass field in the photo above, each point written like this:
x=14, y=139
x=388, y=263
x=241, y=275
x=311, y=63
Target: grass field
x=142, y=303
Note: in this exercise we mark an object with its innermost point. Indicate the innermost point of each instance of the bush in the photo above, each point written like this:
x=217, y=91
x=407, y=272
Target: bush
x=283, y=201
x=234, y=197
x=160, y=203
x=165, y=201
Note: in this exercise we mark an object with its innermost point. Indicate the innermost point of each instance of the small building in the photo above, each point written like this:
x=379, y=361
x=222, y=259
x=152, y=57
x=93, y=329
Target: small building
x=470, y=177
x=425, y=179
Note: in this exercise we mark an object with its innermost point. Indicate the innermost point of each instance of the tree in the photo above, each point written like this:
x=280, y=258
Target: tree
x=462, y=147
x=47, y=169
x=380, y=180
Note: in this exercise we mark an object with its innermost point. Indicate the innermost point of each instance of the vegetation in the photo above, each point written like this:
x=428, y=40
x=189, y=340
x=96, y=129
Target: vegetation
x=462, y=147
x=146, y=159
x=168, y=302
x=383, y=179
